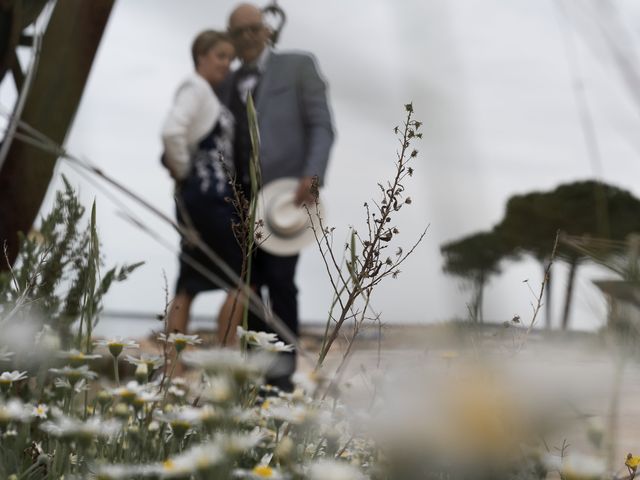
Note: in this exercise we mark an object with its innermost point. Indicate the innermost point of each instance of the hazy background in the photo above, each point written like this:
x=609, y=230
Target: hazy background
x=489, y=79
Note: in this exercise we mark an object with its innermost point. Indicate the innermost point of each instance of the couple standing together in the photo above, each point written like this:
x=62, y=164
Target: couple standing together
x=208, y=126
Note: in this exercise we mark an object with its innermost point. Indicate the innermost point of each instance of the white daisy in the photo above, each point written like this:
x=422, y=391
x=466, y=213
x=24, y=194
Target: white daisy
x=7, y=378
x=73, y=374
x=266, y=341
x=40, y=411
x=152, y=362
x=180, y=340
x=116, y=345
x=76, y=357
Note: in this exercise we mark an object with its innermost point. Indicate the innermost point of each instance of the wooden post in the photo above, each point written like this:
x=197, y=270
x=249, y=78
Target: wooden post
x=68, y=49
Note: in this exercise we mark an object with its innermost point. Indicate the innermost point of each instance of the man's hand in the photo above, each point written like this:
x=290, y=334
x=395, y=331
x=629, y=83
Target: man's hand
x=307, y=191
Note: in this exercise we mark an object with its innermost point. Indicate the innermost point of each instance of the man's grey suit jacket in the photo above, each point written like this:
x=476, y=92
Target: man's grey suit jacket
x=294, y=119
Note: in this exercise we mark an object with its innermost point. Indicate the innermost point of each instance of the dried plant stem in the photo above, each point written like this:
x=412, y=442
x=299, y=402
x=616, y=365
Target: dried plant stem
x=538, y=305
x=379, y=234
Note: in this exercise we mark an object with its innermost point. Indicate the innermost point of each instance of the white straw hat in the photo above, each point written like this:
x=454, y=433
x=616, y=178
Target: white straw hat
x=286, y=226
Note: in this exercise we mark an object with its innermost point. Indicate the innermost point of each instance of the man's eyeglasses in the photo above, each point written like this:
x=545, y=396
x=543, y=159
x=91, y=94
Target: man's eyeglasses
x=252, y=29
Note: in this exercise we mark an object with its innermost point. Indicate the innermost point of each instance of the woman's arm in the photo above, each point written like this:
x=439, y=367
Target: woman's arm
x=192, y=115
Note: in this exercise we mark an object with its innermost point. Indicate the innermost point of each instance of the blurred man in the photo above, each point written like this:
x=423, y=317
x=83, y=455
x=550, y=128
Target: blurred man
x=296, y=134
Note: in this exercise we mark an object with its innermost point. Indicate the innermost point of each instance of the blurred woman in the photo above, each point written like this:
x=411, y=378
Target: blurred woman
x=198, y=152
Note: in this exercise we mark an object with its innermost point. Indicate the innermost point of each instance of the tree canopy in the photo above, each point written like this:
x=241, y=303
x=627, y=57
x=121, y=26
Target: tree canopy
x=474, y=258
x=531, y=221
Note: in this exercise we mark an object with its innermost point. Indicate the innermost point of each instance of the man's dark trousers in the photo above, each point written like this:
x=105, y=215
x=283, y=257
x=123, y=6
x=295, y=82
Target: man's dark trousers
x=277, y=274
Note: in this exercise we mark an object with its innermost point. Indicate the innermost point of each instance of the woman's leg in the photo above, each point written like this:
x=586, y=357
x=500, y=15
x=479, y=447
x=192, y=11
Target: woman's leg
x=230, y=317
x=178, y=321
x=179, y=311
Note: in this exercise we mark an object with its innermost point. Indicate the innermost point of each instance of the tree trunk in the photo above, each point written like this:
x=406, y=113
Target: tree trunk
x=481, y=298
x=573, y=267
x=548, y=320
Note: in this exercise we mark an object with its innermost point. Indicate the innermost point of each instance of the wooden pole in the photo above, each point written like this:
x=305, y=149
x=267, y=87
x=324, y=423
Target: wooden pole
x=68, y=50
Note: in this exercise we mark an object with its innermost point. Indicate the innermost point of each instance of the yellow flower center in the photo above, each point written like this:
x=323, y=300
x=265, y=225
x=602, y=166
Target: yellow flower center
x=263, y=471
x=168, y=465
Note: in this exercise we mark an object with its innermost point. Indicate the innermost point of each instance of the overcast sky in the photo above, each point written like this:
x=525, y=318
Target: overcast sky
x=488, y=78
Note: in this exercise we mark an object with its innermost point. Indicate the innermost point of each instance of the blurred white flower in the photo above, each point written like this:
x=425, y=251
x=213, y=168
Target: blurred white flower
x=295, y=414
x=5, y=355
x=152, y=361
x=284, y=449
x=276, y=347
x=47, y=339
x=258, y=472
x=219, y=389
x=266, y=341
x=73, y=374
x=70, y=428
x=13, y=411
x=129, y=392
x=118, y=472
x=65, y=384
x=334, y=470
x=308, y=381
x=7, y=378
x=248, y=417
x=146, y=396
x=577, y=466
x=180, y=340
x=197, y=415
x=76, y=357
x=180, y=420
x=198, y=459
x=116, y=345
x=243, y=368
x=253, y=337
x=176, y=391
x=238, y=443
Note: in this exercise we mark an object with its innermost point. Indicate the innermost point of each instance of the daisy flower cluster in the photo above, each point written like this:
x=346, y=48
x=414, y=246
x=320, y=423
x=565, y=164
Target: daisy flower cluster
x=83, y=413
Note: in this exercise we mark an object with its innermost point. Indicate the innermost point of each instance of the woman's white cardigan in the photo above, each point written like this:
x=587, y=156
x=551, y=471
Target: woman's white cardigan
x=194, y=112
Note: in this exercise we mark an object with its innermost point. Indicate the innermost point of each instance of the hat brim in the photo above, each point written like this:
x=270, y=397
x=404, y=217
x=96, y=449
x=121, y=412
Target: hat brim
x=269, y=240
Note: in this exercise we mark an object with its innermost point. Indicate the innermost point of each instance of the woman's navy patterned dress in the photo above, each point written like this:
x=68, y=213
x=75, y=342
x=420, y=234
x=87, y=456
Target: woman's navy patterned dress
x=203, y=196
